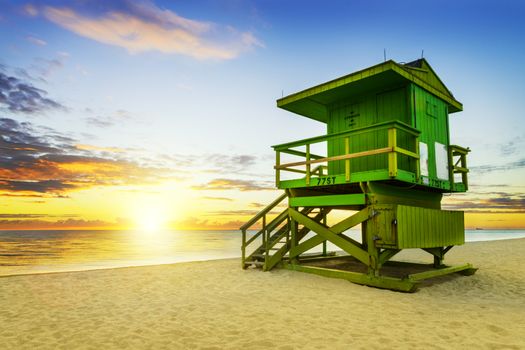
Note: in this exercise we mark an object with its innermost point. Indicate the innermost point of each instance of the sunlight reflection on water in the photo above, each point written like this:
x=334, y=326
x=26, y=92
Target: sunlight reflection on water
x=24, y=252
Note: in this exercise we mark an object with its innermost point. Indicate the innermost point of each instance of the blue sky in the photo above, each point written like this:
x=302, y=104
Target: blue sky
x=198, y=84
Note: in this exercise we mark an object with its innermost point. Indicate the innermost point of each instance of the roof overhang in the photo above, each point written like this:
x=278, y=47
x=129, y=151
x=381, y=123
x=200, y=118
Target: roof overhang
x=314, y=102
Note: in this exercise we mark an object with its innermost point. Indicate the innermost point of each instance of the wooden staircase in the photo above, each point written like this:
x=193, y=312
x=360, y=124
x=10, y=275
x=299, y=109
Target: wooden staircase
x=274, y=235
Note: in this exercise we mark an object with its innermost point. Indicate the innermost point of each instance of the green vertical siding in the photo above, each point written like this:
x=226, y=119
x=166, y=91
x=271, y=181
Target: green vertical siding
x=350, y=115
x=409, y=104
x=427, y=228
x=402, y=227
x=431, y=118
x=367, y=110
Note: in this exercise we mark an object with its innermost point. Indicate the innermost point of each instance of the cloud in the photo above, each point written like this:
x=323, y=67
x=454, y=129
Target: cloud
x=120, y=116
x=45, y=67
x=231, y=161
x=32, y=216
x=21, y=97
x=234, y=184
x=192, y=223
x=240, y=212
x=27, y=223
x=257, y=205
x=85, y=147
x=215, y=163
x=30, y=10
x=218, y=199
x=36, y=41
x=513, y=146
x=141, y=26
x=51, y=164
x=490, y=202
x=482, y=169
x=100, y=122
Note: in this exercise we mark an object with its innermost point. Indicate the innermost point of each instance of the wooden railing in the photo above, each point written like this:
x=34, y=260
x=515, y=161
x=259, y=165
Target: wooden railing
x=392, y=149
x=458, y=165
x=267, y=227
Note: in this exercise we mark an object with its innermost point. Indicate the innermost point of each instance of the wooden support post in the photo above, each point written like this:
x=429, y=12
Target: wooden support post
x=333, y=235
x=293, y=236
x=392, y=155
x=243, y=249
x=347, y=161
x=386, y=255
x=451, y=167
x=277, y=170
x=308, y=165
x=418, y=164
x=373, y=253
x=265, y=240
x=324, y=223
x=464, y=177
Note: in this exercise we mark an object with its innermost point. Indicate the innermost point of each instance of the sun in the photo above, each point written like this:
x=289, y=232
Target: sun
x=150, y=219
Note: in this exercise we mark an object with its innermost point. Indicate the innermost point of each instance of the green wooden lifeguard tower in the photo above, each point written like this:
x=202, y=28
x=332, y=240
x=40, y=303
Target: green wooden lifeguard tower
x=386, y=160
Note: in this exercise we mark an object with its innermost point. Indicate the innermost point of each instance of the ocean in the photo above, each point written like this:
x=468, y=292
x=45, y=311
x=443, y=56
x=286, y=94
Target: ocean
x=26, y=252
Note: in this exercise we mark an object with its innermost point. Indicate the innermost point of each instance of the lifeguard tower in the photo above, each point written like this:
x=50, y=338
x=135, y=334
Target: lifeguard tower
x=386, y=160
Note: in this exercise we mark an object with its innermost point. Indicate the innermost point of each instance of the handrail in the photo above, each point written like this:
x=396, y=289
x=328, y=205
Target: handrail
x=458, y=166
x=264, y=231
x=392, y=149
x=300, y=154
x=341, y=157
x=379, y=126
x=263, y=212
x=269, y=227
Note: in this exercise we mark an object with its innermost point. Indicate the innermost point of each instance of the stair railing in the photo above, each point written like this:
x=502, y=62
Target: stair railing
x=266, y=227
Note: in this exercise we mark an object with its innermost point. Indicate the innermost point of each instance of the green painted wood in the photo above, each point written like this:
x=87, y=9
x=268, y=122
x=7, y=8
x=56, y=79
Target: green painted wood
x=358, y=131
x=342, y=226
x=313, y=102
x=338, y=240
x=411, y=94
x=387, y=254
x=402, y=285
x=403, y=227
x=330, y=200
x=275, y=258
x=380, y=193
x=263, y=212
x=427, y=228
x=416, y=277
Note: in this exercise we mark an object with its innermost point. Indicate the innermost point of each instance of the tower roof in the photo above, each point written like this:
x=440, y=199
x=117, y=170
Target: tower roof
x=313, y=102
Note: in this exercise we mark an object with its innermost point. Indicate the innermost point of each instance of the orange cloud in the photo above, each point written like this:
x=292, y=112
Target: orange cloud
x=51, y=166
x=73, y=224
x=144, y=27
x=193, y=223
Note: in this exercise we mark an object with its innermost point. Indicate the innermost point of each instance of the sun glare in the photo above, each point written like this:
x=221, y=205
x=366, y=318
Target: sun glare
x=151, y=219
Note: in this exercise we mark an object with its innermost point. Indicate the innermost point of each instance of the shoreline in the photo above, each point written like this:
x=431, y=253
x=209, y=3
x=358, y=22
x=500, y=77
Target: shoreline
x=118, y=267
x=201, y=260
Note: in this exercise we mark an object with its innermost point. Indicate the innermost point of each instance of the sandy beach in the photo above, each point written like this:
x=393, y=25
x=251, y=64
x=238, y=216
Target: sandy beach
x=216, y=305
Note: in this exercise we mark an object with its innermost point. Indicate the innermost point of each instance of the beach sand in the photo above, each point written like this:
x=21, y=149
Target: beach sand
x=217, y=305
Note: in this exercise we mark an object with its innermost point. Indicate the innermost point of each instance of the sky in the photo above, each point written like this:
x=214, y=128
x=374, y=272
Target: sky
x=142, y=114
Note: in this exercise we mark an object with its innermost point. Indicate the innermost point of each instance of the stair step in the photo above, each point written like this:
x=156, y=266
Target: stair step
x=256, y=263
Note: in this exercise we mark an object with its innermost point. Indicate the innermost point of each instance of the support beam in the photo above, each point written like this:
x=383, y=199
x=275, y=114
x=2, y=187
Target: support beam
x=386, y=255
x=402, y=285
x=415, y=277
x=342, y=226
x=329, y=200
x=346, y=245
